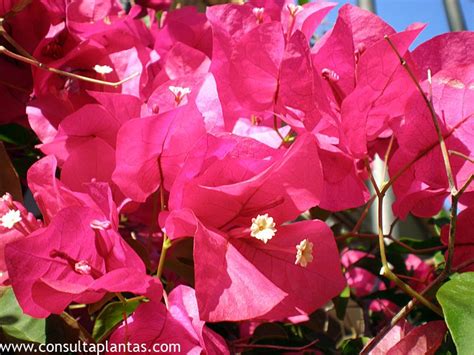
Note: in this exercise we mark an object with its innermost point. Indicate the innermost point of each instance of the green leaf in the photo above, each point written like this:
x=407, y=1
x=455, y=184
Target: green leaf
x=341, y=301
x=111, y=315
x=439, y=221
x=438, y=259
x=18, y=325
x=456, y=298
x=16, y=134
x=353, y=346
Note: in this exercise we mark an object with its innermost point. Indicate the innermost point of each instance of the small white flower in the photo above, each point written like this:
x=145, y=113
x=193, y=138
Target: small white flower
x=294, y=9
x=258, y=12
x=82, y=267
x=10, y=218
x=103, y=69
x=179, y=92
x=383, y=271
x=304, y=253
x=263, y=228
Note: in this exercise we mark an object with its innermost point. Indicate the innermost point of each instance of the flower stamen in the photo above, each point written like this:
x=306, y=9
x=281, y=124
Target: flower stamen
x=263, y=228
x=304, y=253
x=82, y=267
x=179, y=93
x=9, y=219
x=102, y=69
x=258, y=12
x=294, y=9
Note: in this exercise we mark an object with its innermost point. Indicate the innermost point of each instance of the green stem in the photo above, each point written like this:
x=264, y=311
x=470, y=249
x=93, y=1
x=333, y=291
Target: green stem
x=164, y=249
x=383, y=256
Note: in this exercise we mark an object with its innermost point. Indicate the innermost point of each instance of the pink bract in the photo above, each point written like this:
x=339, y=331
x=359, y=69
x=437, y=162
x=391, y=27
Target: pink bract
x=69, y=261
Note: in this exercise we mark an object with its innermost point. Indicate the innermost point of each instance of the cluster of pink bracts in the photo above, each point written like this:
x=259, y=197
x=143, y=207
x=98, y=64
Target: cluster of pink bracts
x=230, y=126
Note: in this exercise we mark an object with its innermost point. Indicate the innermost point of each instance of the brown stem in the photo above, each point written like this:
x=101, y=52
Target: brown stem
x=461, y=155
x=463, y=265
x=9, y=39
x=389, y=236
x=455, y=194
x=444, y=274
x=429, y=104
x=364, y=214
x=444, y=151
x=40, y=65
x=385, y=269
x=452, y=232
x=403, y=313
x=387, y=155
x=453, y=216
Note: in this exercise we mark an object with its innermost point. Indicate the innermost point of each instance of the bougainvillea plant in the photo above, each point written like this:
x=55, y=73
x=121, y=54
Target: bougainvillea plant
x=218, y=177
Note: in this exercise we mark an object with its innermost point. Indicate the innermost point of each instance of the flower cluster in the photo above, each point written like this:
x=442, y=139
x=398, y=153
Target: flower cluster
x=192, y=148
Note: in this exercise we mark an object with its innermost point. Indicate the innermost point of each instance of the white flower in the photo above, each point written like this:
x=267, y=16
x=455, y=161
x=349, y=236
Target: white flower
x=179, y=92
x=258, y=12
x=263, y=228
x=82, y=267
x=103, y=69
x=383, y=271
x=10, y=218
x=294, y=9
x=304, y=253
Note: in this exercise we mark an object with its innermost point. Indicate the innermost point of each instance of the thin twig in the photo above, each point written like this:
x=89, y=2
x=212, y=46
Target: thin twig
x=461, y=155
x=383, y=256
x=444, y=151
x=166, y=241
x=429, y=104
x=453, y=214
x=403, y=313
x=463, y=265
x=9, y=39
x=364, y=214
x=464, y=186
x=455, y=195
x=40, y=65
x=420, y=155
x=387, y=155
x=389, y=236
x=409, y=307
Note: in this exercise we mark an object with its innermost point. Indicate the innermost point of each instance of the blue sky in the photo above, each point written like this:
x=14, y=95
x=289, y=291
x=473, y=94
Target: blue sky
x=400, y=13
